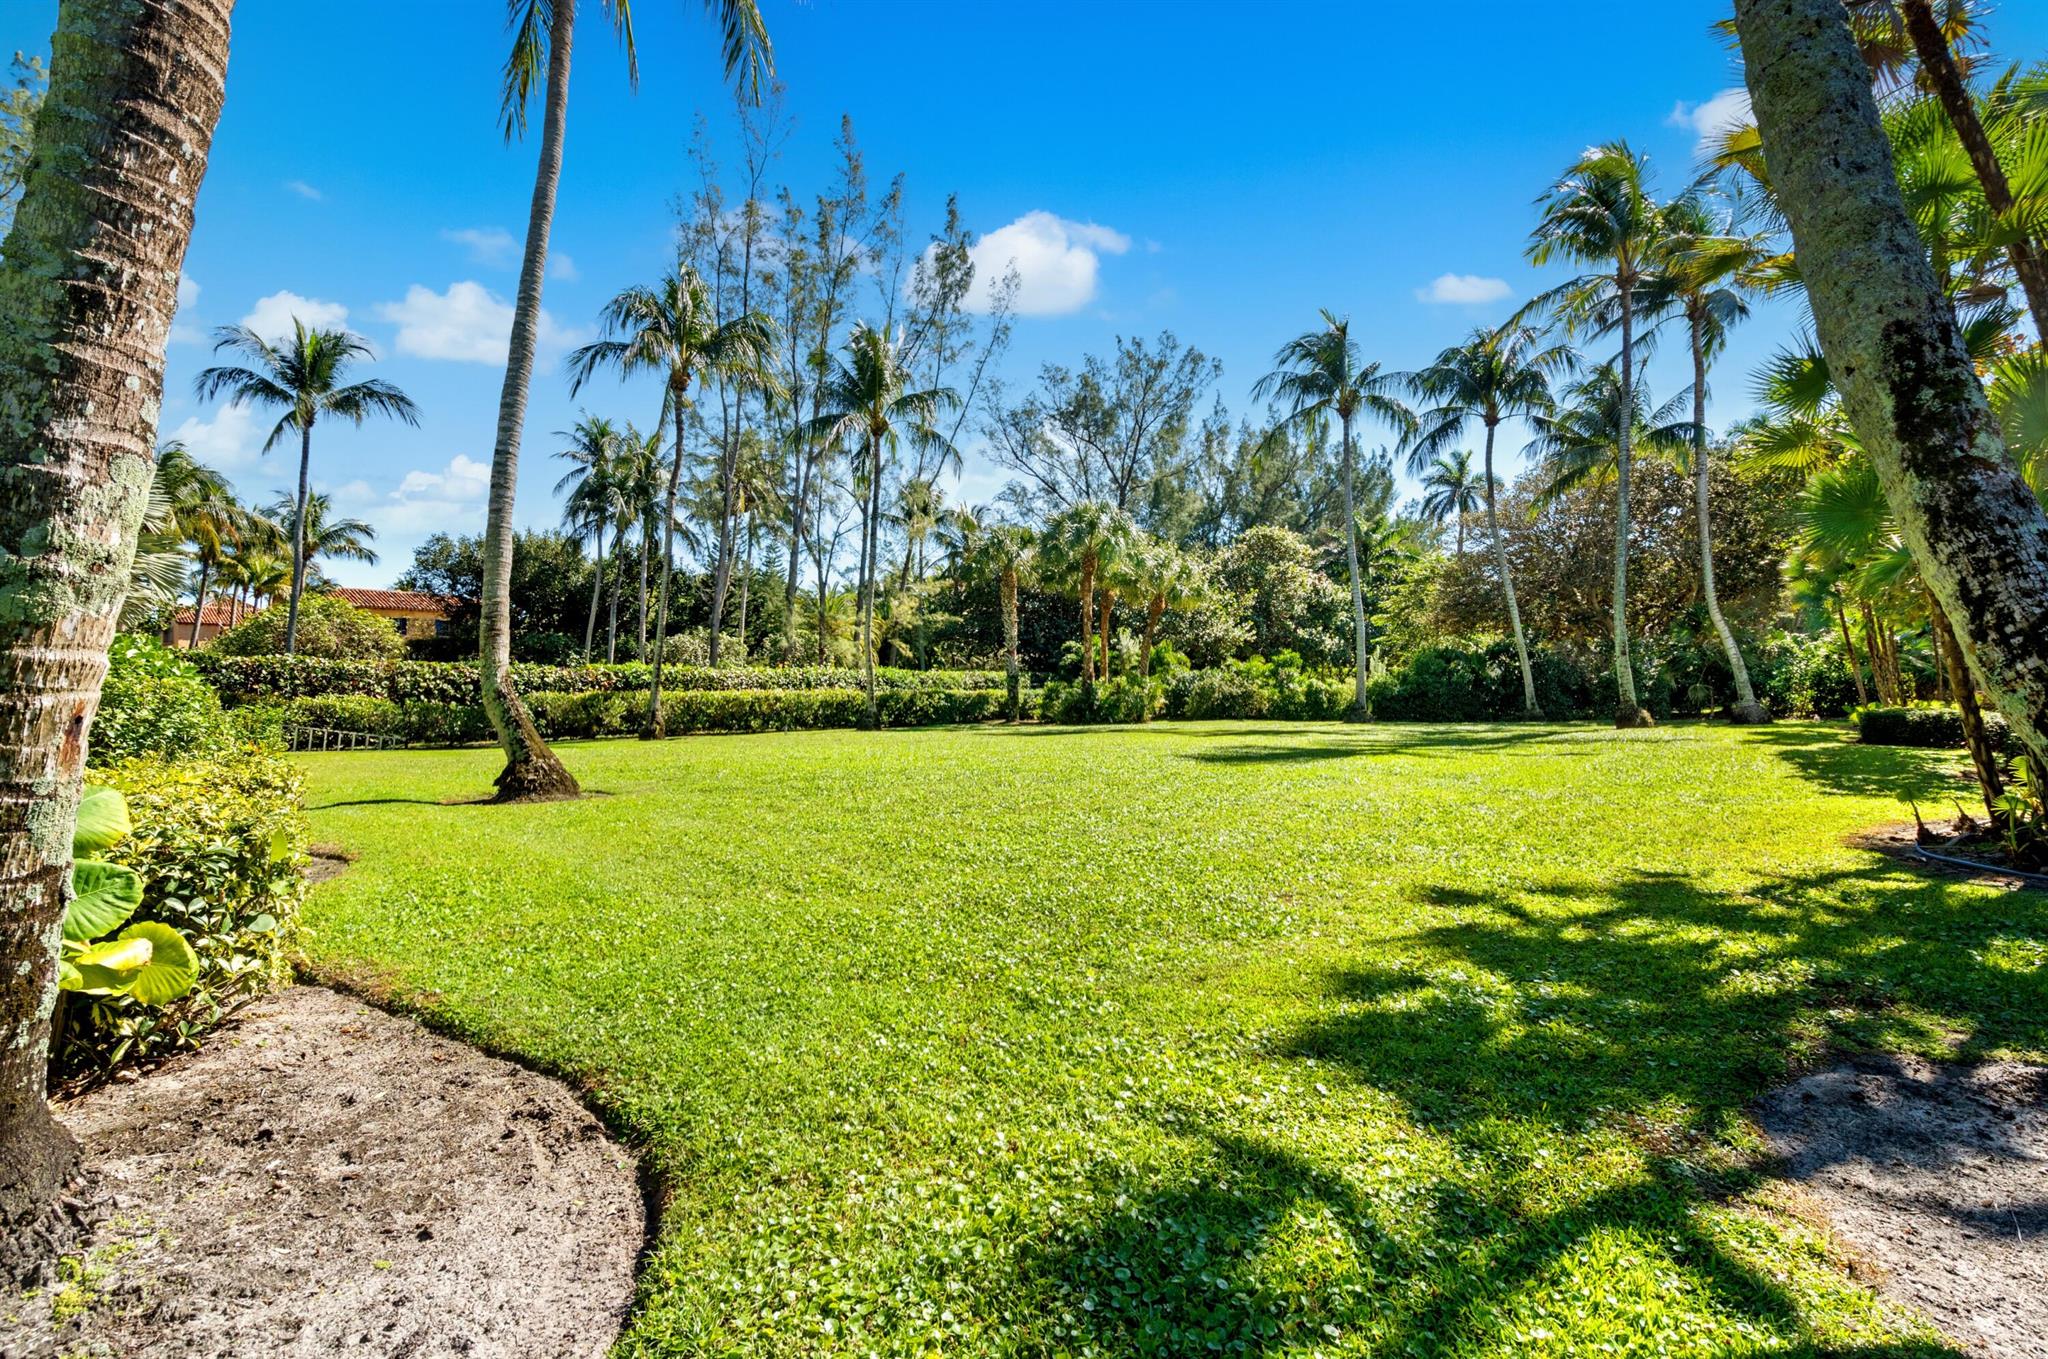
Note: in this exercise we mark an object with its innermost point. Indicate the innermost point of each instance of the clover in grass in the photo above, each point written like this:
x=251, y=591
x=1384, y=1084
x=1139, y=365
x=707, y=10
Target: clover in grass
x=148, y=960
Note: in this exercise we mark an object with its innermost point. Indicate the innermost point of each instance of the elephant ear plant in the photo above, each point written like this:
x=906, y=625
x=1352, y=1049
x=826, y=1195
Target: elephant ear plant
x=149, y=960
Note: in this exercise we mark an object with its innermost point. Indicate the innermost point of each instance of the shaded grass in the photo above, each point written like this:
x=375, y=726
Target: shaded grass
x=1206, y=1038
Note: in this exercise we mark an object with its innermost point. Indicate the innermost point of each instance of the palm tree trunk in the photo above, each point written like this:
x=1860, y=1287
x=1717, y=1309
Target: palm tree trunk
x=1982, y=756
x=677, y=395
x=1747, y=710
x=198, y=604
x=611, y=626
x=1102, y=622
x=291, y=617
x=1011, y=680
x=1627, y=711
x=596, y=590
x=1849, y=652
x=746, y=578
x=1938, y=64
x=1360, y=703
x=531, y=770
x=646, y=556
x=88, y=281
x=870, y=547
x=1088, y=622
x=1153, y=613
x=1880, y=674
x=1507, y=584
x=1975, y=529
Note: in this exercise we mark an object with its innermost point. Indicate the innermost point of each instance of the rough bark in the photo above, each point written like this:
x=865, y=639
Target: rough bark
x=1938, y=65
x=1361, y=703
x=871, y=576
x=88, y=285
x=1088, y=621
x=1849, y=653
x=596, y=590
x=1746, y=709
x=291, y=617
x=532, y=772
x=1102, y=624
x=1982, y=755
x=1530, y=708
x=1976, y=531
x=1628, y=712
x=199, y=603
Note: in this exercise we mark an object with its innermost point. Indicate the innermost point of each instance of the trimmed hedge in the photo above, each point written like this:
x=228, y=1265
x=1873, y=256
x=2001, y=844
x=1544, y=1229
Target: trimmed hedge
x=251, y=679
x=154, y=703
x=1934, y=727
x=567, y=716
x=219, y=844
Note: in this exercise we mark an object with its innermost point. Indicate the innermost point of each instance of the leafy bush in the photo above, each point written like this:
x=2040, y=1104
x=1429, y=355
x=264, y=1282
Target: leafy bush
x=1935, y=726
x=218, y=844
x=329, y=626
x=414, y=722
x=1804, y=677
x=1123, y=699
x=1228, y=692
x=155, y=703
x=245, y=679
x=1481, y=681
x=692, y=646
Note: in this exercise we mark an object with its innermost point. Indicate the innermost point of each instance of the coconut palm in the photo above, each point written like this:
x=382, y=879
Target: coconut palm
x=1077, y=547
x=543, y=31
x=1601, y=214
x=255, y=575
x=865, y=399
x=205, y=517
x=1451, y=490
x=303, y=379
x=1318, y=374
x=673, y=330
x=1005, y=554
x=342, y=539
x=1578, y=443
x=1493, y=376
x=591, y=501
x=1703, y=269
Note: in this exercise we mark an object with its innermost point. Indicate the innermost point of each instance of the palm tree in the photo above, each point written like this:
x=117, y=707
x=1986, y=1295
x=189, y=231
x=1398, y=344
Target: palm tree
x=1703, y=268
x=89, y=271
x=303, y=379
x=543, y=31
x=342, y=539
x=1169, y=578
x=673, y=329
x=1077, y=545
x=1494, y=375
x=591, y=494
x=1451, y=490
x=1579, y=442
x=255, y=574
x=1320, y=373
x=205, y=517
x=1005, y=554
x=1601, y=214
x=865, y=398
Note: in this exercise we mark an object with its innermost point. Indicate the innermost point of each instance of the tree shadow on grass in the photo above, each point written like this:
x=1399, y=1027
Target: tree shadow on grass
x=1374, y=741
x=1834, y=759
x=1655, y=1002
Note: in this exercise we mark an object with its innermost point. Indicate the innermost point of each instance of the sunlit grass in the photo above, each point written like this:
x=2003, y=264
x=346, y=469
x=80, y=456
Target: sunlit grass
x=1219, y=1038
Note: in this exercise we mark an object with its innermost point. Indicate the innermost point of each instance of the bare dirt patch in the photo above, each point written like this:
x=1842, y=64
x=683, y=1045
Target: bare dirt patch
x=326, y=1178
x=1937, y=1176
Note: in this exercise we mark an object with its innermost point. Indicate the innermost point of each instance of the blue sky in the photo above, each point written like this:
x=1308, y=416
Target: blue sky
x=1221, y=170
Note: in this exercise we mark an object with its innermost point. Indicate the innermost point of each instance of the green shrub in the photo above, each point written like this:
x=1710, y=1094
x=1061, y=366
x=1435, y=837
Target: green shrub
x=219, y=843
x=1123, y=699
x=155, y=703
x=1935, y=726
x=247, y=679
x=1201, y=695
x=1804, y=677
x=329, y=626
x=1481, y=681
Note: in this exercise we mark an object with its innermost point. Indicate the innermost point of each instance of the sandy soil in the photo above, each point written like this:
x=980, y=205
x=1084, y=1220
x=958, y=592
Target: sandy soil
x=1938, y=1176
x=325, y=1178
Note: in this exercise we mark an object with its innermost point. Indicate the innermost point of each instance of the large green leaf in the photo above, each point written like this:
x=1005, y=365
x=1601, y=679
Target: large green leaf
x=102, y=821
x=108, y=967
x=103, y=896
x=172, y=968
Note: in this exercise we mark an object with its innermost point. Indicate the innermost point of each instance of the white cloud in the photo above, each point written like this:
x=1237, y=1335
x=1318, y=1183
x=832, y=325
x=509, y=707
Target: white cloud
x=183, y=332
x=468, y=323
x=424, y=501
x=1463, y=289
x=1709, y=120
x=486, y=245
x=563, y=269
x=1056, y=260
x=304, y=190
x=232, y=438
x=272, y=316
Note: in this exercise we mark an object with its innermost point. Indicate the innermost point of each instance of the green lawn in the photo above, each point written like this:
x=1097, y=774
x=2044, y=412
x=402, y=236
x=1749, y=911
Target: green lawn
x=1194, y=1039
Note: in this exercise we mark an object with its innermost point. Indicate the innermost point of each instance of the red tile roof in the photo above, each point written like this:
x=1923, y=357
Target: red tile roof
x=217, y=614
x=409, y=601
